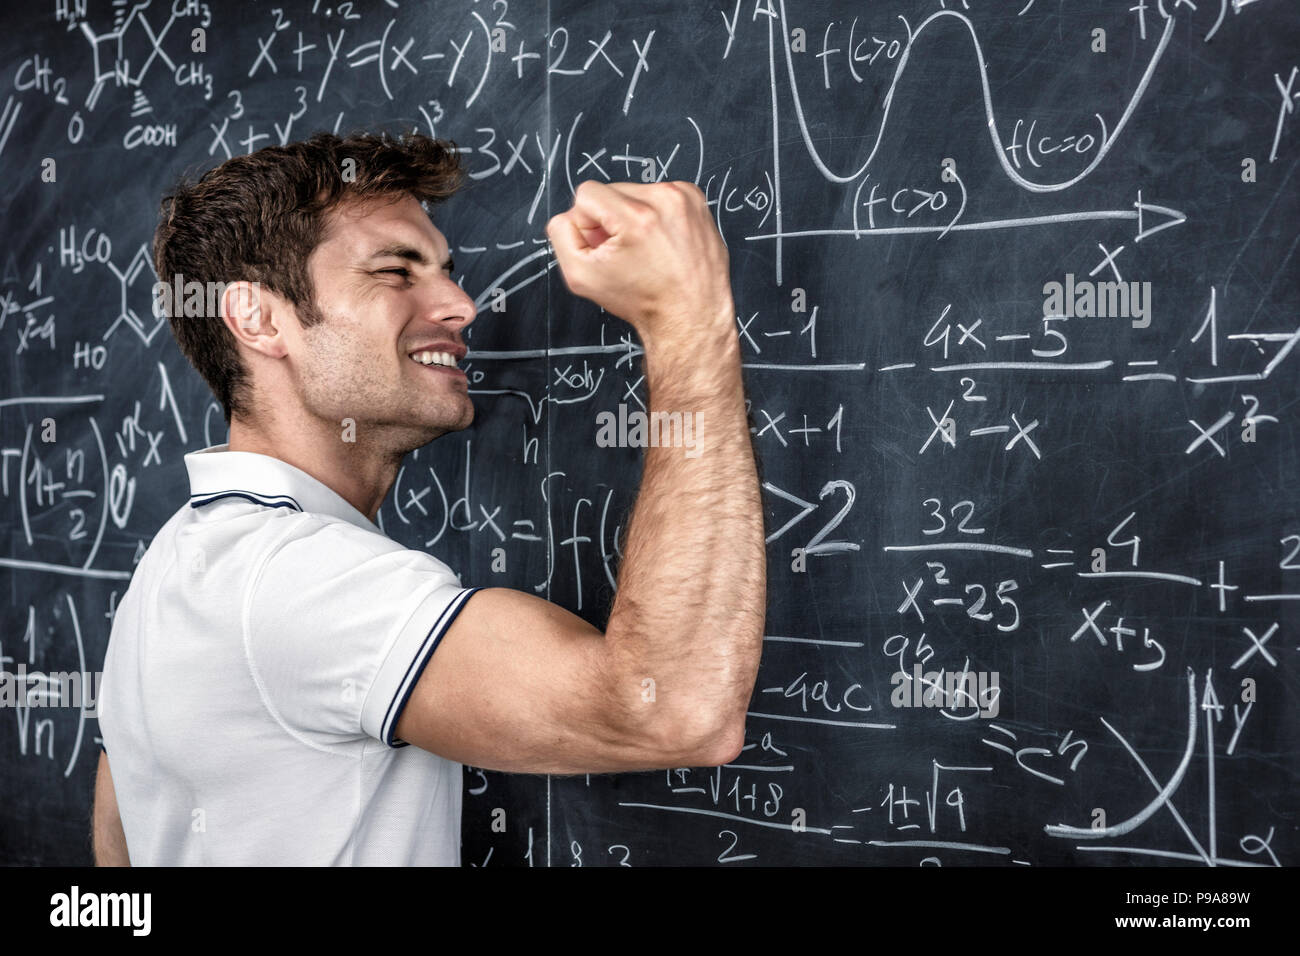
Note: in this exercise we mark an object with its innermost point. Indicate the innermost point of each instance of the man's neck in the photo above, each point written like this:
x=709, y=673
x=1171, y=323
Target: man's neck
x=359, y=474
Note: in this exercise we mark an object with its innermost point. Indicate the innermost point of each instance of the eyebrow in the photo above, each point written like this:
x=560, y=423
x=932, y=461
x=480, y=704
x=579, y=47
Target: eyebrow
x=400, y=250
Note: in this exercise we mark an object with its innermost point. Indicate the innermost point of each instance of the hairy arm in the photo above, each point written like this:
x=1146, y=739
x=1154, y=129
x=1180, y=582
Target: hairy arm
x=519, y=684
x=689, y=611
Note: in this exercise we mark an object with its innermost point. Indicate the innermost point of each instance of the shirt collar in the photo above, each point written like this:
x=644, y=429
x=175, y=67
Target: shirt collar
x=216, y=472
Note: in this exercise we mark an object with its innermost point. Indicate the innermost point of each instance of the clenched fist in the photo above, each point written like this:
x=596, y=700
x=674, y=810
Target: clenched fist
x=648, y=253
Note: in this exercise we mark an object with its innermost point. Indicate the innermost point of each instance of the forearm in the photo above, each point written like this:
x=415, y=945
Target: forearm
x=690, y=607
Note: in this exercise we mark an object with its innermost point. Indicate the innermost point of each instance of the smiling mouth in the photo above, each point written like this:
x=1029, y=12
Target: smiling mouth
x=438, y=362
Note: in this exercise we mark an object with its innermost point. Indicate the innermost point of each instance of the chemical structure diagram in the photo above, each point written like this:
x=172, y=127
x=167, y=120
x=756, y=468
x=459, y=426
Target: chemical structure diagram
x=97, y=247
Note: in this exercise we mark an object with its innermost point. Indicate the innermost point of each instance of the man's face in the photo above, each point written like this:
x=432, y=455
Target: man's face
x=382, y=280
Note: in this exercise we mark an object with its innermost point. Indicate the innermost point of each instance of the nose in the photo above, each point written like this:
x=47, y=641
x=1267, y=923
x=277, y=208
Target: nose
x=453, y=305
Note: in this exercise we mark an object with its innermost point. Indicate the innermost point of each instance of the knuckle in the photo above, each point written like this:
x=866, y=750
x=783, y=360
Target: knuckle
x=690, y=190
x=644, y=215
x=673, y=193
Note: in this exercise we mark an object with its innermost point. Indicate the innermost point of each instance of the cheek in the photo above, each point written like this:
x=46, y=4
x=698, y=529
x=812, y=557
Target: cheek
x=349, y=347
x=331, y=360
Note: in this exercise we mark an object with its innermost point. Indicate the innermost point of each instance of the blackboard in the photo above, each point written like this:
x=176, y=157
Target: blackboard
x=1017, y=298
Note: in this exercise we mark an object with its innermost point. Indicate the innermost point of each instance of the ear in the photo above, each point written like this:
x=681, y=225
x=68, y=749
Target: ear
x=253, y=314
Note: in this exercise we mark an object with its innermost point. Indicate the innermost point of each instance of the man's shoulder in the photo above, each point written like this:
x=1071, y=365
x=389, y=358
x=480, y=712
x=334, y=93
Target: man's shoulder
x=270, y=529
x=331, y=534
x=321, y=545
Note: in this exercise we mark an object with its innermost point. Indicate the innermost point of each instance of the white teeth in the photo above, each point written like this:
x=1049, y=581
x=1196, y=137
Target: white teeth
x=435, y=358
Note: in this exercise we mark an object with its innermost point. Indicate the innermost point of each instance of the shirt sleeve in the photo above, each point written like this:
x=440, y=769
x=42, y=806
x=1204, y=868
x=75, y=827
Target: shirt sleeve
x=338, y=627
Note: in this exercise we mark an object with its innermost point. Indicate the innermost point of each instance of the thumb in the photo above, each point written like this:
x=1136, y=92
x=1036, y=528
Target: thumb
x=600, y=211
x=590, y=228
x=569, y=245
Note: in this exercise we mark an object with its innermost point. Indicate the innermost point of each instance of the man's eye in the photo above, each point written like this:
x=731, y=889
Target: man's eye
x=405, y=273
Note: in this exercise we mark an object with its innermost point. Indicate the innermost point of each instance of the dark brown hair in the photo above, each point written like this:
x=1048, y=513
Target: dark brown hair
x=257, y=218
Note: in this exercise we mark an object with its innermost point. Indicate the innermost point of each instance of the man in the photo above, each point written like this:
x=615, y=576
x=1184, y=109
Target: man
x=274, y=654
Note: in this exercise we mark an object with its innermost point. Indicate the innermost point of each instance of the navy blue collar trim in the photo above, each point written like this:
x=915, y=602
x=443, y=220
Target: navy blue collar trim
x=274, y=501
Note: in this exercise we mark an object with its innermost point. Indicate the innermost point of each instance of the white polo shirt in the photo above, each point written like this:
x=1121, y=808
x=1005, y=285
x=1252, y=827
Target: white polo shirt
x=258, y=662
